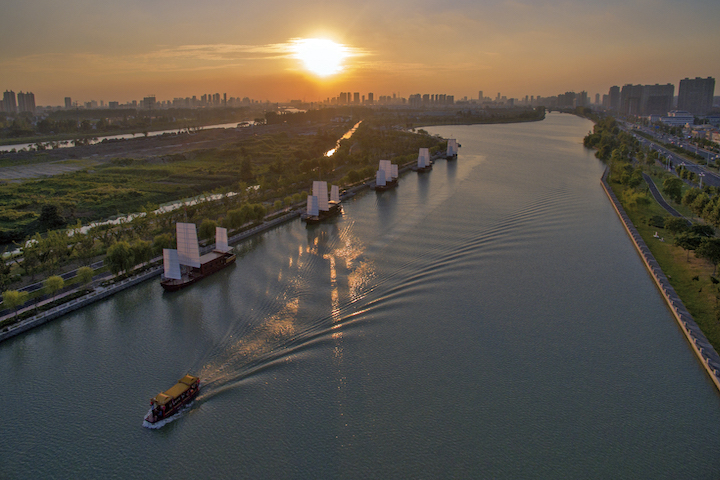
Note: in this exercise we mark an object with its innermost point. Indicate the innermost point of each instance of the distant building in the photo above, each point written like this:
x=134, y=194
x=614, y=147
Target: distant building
x=696, y=96
x=68, y=102
x=480, y=96
x=371, y=98
x=356, y=98
x=566, y=100
x=26, y=102
x=149, y=102
x=9, y=102
x=614, y=98
x=678, y=118
x=646, y=99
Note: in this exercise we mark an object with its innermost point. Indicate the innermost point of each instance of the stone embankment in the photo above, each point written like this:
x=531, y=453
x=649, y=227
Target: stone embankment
x=699, y=343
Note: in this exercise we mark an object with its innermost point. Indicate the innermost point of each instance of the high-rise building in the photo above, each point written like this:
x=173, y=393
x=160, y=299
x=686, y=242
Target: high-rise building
x=480, y=96
x=657, y=99
x=26, y=102
x=696, y=96
x=371, y=98
x=148, y=102
x=646, y=99
x=582, y=99
x=68, y=102
x=614, y=98
x=9, y=102
x=356, y=98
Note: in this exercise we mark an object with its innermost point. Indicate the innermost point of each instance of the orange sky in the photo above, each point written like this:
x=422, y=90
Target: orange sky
x=127, y=49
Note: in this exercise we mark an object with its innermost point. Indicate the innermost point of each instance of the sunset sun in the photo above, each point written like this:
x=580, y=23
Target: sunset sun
x=320, y=56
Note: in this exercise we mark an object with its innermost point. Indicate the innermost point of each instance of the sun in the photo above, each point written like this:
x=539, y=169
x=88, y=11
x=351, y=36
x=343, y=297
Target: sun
x=320, y=56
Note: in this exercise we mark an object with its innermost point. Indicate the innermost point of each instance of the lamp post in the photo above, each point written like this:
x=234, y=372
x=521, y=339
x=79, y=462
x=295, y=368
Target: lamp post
x=701, y=175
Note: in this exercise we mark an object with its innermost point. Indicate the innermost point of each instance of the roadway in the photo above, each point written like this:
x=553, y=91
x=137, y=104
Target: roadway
x=671, y=160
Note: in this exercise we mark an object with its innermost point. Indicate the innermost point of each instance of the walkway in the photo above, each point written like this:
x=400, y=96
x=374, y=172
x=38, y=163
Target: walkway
x=659, y=198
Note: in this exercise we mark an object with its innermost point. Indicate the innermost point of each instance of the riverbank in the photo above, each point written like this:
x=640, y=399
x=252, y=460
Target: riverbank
x=705, y=352
x=102, y=292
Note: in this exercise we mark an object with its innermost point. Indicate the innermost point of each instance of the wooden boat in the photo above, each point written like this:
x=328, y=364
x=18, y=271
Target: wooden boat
x=452, y=149
x=318, y=206
x=168, y=403
x=386, y=176
x=185, y=266
x=424, y=164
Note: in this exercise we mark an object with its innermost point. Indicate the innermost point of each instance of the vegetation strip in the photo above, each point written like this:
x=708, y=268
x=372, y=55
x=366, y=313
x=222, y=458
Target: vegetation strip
x=699, y=343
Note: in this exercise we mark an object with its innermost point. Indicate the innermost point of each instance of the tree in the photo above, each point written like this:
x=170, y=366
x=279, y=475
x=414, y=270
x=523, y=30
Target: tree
x=673, y=188
x=702, y=230
x=161, y=241
x=119, y=257
x=85, y=275
x=676, y=225
x=141, y=251
x=50, y=218
x=246, y=172
x=709, y=249
x=54, y=284
x=207, y=229
x=85, y=246
x=13, y=299
x=687, y=242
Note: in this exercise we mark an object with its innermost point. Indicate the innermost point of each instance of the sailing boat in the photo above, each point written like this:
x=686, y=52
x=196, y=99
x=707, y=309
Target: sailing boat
x=386, y=176
x=318, y=206
x=423, y=163
x=452, y=149
x=185, y=266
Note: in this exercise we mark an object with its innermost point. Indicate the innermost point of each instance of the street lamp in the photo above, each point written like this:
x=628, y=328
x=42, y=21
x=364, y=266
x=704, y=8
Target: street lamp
x=701, y=175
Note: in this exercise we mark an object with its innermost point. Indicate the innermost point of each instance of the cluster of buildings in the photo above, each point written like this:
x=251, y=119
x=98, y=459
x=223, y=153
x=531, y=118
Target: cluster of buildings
x=22, y=102
x=205, y=101
x=695, y=97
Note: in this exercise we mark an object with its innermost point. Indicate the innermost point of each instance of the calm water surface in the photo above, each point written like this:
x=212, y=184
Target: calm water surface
x=489, y=319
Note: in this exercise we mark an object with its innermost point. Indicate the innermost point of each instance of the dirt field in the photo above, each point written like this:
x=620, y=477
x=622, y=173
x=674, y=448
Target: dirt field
x=27, y=165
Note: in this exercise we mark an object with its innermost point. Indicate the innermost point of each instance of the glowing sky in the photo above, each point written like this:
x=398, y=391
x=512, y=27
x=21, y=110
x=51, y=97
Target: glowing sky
x=122, y=50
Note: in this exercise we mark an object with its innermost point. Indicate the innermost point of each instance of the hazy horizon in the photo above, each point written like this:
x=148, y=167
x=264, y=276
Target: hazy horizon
x=125, y=50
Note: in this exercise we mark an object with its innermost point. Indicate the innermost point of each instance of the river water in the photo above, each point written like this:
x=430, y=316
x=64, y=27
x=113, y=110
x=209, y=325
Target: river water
x=488, y=319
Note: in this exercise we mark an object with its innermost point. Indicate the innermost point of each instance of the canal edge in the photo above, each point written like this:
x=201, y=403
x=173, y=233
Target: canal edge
x=704, y=351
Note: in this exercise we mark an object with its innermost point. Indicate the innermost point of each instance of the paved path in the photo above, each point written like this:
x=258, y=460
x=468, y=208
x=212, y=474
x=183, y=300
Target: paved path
x=659, y=198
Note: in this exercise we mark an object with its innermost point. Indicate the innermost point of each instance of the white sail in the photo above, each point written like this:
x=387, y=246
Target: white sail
x=387, y=167
x=221, y=240
x=335, y=194
x=187, y=245
x=321, y=192
x=451, y=147
x=380, y=178
x=424, y=158
x=312, y=206
x=394, y=171
x=171, y=263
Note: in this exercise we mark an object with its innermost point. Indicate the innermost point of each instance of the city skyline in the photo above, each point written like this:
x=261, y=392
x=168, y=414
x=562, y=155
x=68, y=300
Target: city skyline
x=252, y=50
